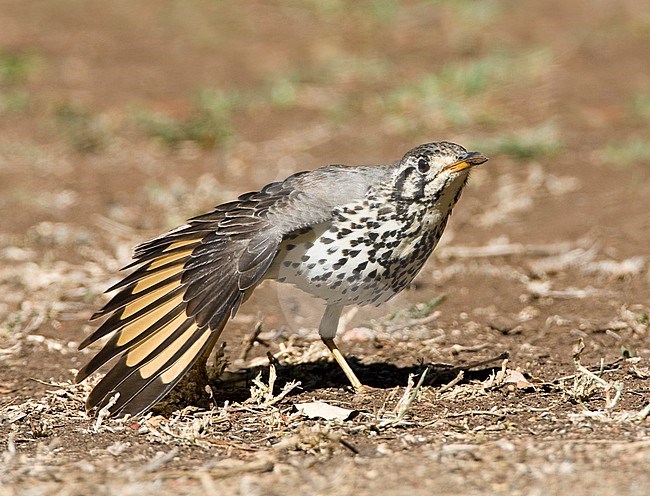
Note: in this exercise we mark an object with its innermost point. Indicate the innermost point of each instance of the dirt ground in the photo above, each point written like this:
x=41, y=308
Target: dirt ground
x=517, y=363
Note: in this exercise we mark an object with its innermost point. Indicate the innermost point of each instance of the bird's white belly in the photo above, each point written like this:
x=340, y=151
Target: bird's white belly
x=345, y=266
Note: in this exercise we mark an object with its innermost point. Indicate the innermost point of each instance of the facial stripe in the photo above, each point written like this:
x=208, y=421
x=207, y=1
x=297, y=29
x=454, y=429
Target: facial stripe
x=409, y=185
x=401, y=179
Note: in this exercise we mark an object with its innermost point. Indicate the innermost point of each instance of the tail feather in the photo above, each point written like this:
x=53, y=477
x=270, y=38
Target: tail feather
x=134, y=299
x=120, y=319
x=147, y=373
x=145, y=272
x=166, y=314
x=126, y=366
x=131, y=335
x=187, y=283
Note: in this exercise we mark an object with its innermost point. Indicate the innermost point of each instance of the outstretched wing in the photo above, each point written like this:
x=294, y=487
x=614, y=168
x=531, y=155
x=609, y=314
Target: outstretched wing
x=187, y=283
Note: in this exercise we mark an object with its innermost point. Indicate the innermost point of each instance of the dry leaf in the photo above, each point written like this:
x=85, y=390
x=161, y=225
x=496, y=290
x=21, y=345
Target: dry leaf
x=318, y=409
x=517, y=378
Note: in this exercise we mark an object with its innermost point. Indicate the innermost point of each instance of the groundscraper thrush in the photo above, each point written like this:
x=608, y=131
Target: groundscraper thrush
x=348, y=235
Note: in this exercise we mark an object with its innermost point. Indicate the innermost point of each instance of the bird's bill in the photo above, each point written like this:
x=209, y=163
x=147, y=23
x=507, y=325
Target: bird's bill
x=472, y=159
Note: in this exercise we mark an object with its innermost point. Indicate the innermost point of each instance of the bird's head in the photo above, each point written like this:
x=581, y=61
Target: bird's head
x=428, y=171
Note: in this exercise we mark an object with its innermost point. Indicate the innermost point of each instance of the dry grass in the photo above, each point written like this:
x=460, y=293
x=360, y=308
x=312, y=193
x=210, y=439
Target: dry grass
x=110, y=137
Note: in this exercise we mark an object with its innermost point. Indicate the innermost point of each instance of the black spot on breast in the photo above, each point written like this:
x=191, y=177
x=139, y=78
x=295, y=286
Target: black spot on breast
x=361, y=266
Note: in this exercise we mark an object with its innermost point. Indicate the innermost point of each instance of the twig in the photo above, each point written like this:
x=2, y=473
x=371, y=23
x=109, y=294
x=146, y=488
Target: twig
x=217, y=473
x=472, y=365
x=453, y=382
x=457, y=348
x=349, y=446
x=160, y=459
x=48, y=383
x=406, y=401
x=475, y=412
x=643, y=414
x=504, y=249
x=413, y=322
x=252, y=339
x=610, y=367
x=105, y=411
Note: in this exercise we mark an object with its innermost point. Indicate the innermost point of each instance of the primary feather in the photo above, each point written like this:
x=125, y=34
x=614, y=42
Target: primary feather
x=187, y=283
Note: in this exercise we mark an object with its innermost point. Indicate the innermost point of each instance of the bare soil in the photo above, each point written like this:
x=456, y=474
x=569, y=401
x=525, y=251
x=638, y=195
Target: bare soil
x=118, y=120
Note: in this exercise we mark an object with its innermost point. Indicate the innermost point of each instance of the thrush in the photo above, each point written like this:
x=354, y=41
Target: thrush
x=347, y=235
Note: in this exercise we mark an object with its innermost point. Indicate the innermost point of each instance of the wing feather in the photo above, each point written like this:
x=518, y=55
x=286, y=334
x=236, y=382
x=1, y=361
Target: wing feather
x=187, y=283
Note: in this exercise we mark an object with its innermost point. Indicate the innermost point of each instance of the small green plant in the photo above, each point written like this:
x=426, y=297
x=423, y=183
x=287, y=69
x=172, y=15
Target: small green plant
x=540, y=141
x=626, y=153
x=423, y=309
x=83, y=130
x=640, y=105
x=283, y=92
x=15, y=68
x=209, y=123
x=13, y=101
x=418, y=310
x=464, y=92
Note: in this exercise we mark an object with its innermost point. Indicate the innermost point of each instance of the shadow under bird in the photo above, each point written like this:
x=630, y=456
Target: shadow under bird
x=348, y=235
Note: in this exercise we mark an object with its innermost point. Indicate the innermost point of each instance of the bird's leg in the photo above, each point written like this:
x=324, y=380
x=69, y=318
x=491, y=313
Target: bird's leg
x=327, y=330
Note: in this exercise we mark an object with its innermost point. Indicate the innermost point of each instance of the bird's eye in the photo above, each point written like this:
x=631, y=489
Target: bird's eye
x=423, y=165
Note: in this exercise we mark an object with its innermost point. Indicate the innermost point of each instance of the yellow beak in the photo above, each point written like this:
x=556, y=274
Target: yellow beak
x=472, y=159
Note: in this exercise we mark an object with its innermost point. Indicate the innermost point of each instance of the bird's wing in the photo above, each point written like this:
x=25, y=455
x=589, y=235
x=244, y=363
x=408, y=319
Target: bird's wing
x=187, y=283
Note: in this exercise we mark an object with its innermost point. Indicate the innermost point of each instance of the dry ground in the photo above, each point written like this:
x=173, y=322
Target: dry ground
x=118, y=120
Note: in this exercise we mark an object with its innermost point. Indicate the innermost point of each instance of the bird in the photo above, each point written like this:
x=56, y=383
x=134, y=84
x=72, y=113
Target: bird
x=349, y=235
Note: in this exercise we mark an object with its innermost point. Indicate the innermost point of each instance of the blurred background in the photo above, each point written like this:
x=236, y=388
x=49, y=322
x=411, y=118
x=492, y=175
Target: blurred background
x=121, y=119
x=118, y=120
